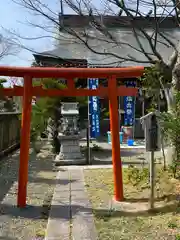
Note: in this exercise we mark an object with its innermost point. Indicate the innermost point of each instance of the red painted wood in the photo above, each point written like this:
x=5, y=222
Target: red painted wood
x=40, y=92
x=25, y=141
x=43, y=72
x=28, y=92
x=114, y=124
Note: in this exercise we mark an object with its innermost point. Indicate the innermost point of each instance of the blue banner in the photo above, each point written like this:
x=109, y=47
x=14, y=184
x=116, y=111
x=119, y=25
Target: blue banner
x=94, y=109
x=129, y=106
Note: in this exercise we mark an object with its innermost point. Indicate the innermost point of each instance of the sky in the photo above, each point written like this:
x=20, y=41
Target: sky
x=14, y=18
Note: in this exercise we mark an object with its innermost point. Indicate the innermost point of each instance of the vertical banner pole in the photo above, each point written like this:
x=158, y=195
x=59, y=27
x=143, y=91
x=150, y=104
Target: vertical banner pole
x=134, y=120
x=114, y=123
x=25, y=142
x=88, y=131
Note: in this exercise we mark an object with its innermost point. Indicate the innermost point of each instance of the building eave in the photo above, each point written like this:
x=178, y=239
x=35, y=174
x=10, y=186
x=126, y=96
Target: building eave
x=78, y=21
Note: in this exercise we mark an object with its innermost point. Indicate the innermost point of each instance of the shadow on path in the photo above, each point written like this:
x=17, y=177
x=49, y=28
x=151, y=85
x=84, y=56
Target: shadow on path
x=7, y=238
x=8, y=173
x=104, y=156
x=167, y=198
x=31, y=212
x=9, y=168
x=50, y=181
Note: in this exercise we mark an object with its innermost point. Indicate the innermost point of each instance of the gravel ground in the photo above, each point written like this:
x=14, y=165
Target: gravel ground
x=131, y=220
x=101, y=154
x=29, y=223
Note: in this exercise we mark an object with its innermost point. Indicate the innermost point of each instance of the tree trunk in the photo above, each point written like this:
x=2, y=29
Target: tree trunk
x=176, y=76
x=169, y=94
x=176, y=72
x=169, y=98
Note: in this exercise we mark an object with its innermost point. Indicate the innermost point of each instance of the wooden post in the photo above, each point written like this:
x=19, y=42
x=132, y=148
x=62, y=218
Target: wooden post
x=25, y=142
x=152, y=180
x=114, y=123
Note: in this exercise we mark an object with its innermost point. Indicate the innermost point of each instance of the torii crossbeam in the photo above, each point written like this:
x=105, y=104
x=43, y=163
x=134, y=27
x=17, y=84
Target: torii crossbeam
x=28, y=91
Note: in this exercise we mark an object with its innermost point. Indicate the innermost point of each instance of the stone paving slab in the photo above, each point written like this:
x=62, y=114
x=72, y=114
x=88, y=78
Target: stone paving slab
x=71, y=215
x=58, y=227
x=83, y=227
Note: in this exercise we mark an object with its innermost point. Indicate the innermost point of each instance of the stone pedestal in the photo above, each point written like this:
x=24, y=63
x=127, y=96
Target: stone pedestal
x=70, y=153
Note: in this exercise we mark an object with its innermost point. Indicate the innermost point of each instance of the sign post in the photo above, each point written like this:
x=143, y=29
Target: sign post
x=152, y=137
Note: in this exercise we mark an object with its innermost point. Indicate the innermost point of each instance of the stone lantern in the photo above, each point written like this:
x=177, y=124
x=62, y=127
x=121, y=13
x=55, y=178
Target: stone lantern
x=68, y=136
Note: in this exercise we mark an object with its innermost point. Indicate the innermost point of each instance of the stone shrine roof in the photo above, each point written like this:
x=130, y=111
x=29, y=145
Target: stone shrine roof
x=69, y=112
x=69, y=108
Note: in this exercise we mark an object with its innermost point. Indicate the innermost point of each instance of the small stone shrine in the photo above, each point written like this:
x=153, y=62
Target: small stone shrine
x=68, y=136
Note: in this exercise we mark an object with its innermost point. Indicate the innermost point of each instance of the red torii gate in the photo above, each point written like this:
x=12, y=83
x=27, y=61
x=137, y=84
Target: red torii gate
x=28, y=91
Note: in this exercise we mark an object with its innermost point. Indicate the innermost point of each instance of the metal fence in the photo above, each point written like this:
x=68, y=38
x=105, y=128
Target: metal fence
x=10, y=126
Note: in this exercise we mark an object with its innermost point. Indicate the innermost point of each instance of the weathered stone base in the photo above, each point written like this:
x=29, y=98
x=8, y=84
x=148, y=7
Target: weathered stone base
x=130, y=208
x=70, y=153
x=59, y=162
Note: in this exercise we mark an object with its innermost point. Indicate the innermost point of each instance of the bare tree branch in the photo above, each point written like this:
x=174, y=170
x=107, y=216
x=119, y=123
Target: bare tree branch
x=8, y=46
x=131, y=8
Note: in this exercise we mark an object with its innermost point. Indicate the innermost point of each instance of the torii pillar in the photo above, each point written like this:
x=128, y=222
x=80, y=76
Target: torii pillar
x=114, y=124
x=28, y=91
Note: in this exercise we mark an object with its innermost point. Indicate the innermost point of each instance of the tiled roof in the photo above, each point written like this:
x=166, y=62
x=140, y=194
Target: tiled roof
x=77, y=21
x=127, y=44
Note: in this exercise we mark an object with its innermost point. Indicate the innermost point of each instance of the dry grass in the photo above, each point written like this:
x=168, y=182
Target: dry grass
x=113, y=223
x=29, y=223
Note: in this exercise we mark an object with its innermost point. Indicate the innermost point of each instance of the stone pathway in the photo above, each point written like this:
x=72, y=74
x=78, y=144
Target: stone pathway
x=71, y=215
